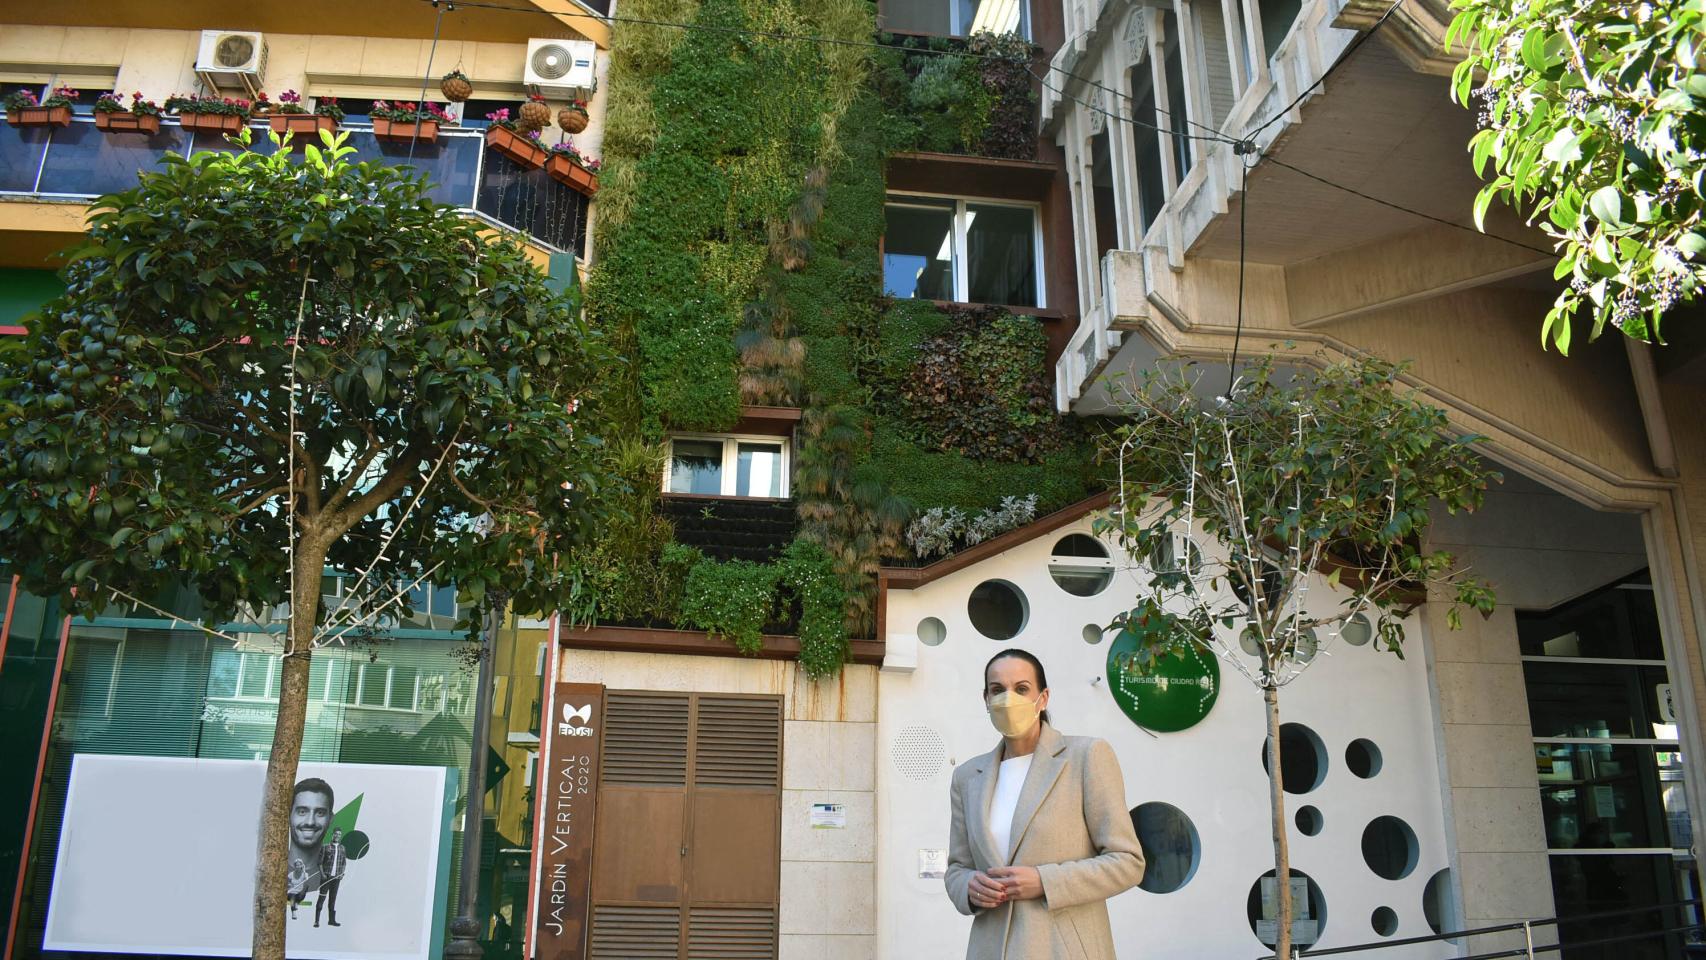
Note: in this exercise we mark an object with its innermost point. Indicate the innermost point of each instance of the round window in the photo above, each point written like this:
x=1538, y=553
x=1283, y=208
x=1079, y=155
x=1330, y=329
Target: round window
x=1308, y=909
x=1309, y=821
x=931, y=632
x=1176, y=554
x=1384, y=921
x=1303, y=758
x=1389, y=847
x=997, y=609
x=1362, y=758
x=1357, y=631
x=1171, y=848
x=1080, y=565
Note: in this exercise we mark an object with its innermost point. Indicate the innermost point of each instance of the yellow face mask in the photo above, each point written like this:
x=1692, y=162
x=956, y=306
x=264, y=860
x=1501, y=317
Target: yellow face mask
x=1012, y=714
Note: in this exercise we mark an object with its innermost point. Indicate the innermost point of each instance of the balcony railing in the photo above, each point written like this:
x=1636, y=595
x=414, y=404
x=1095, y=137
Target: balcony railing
x=80, y=162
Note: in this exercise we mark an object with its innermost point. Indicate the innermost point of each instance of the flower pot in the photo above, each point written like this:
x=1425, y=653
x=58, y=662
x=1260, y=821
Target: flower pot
x=214, y=122
x=39, y=117
x=456, y=89
x=572, y=120
x=577, y=177
x=309, y=124
x=522, y=149
x=533, y=115
x=426, y=130
x=117, y=122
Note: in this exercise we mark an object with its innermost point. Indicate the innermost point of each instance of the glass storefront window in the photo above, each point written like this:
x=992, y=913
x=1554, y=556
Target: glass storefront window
x=1610, y=795
x=182, y=693
x=1596, y=700
x=1619, y=623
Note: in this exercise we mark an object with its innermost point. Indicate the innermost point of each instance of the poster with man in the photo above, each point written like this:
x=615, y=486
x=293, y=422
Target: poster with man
x=366, y=872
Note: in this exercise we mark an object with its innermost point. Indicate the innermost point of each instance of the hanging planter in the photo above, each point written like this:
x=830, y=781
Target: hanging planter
x=568, y=167
x=142, y=116
x=534, y=114
x=213, y=114
x=23, y=110
x=573, y=118
x=517, y=146
x=456, y=87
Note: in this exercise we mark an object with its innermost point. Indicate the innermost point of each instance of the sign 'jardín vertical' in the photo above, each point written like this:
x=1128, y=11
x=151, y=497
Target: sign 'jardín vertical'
x=569, y=801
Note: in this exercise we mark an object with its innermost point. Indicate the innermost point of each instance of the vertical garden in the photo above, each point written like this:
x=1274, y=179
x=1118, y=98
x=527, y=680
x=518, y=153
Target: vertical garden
x=738, y=263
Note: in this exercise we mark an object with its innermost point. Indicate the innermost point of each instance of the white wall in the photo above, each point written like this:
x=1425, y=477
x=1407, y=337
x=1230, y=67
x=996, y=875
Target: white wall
x=1213, y=772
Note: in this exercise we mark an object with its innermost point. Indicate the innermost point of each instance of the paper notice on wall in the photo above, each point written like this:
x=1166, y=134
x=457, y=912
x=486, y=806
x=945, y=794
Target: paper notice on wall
x=829, y=816
x=932, y=863
x=1604, y=803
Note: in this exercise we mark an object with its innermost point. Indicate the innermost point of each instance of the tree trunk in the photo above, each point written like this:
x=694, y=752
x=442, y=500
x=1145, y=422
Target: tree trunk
x=273, y=848
x=1282, y=851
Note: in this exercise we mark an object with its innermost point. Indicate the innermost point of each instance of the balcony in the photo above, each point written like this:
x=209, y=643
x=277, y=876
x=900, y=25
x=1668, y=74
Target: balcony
x=79, y=162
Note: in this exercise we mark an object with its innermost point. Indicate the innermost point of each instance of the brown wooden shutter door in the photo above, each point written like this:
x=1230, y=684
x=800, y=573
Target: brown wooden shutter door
x=686, y=861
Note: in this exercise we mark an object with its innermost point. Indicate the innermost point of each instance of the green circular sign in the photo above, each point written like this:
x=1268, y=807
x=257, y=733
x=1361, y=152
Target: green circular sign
x=1173, y=694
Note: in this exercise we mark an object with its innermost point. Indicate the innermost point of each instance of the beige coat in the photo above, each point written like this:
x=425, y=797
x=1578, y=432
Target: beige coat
x=1072, y=824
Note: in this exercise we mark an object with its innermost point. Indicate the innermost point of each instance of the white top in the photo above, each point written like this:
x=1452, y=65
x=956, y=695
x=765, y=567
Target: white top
x=1009, y=780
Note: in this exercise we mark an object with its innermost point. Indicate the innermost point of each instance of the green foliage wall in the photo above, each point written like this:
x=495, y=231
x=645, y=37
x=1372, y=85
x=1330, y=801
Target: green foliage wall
x=739, y=239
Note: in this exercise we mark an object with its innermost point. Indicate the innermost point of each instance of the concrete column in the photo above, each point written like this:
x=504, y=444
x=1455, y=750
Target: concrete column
x=1490, y=791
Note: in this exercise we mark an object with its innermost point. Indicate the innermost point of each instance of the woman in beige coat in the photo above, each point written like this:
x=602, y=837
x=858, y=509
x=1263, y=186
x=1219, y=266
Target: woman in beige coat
x=1041, y=836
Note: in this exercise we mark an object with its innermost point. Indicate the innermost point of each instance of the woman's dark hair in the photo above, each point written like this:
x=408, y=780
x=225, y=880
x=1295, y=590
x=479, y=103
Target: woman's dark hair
x=1028, y=657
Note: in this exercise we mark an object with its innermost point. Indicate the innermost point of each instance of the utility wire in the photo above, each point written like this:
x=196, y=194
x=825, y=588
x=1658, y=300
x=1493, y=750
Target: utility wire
x=1361, y=39
x=1412, y=212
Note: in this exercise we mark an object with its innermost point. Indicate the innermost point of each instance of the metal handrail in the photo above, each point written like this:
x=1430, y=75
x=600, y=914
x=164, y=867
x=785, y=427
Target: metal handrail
x=260, y=123
x=1527, y=926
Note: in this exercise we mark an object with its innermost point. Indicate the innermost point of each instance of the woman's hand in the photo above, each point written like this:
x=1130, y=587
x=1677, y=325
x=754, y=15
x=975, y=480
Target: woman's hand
x=985, y=892
x=1021, y=883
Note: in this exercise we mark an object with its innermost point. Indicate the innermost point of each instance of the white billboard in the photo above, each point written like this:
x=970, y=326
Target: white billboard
x=157, y=855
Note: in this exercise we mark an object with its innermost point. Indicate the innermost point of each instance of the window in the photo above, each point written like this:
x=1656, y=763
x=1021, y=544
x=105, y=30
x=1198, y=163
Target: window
x=968, y=251
x=1146, y=146
x=1277, y=18
x=1102, y=190
x=958, y=18
x=1178, y=117
x=728, y=466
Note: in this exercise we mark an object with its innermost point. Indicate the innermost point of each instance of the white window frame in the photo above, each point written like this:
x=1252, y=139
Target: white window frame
x=731, y=460
x=957, y=259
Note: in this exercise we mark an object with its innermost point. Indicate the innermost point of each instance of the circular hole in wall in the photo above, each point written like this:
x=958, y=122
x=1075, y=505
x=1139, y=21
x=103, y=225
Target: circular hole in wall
x=1250, y=642
x=1303, y=648
x=1437, y=906
x=1308, y=911
x=1171, y=848
x=1362, y=758
x=931, y=632
x=1357, y=631
x=1165, y=556
x=1303, y=758
x=1092, y=633
x=1271, y=577
x=997, y=609
x=1309, y=821
x=1384, y=921
x=1080, y=565
x=1389, y=847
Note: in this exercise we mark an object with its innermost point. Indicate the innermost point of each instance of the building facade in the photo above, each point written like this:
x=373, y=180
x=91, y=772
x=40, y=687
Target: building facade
x=869, y=262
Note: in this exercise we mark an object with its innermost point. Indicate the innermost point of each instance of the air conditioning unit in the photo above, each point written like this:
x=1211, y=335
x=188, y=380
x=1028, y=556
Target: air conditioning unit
x=232, y=59
x=561, y=67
